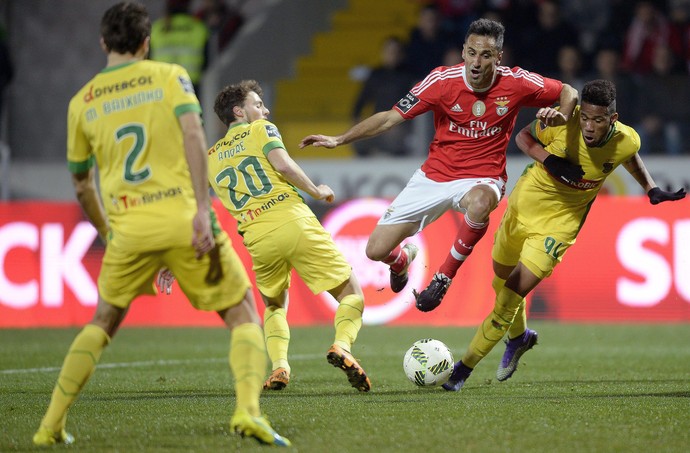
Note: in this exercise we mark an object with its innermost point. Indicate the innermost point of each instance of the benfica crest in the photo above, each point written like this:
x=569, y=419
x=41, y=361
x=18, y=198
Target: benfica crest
x=501, y=105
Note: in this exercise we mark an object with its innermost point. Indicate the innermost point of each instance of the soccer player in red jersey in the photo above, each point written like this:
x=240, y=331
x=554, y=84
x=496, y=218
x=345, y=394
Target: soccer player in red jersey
x=475, y=105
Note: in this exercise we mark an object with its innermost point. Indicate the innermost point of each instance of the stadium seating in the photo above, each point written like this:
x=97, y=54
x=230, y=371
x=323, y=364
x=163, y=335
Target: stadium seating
x=320, y=97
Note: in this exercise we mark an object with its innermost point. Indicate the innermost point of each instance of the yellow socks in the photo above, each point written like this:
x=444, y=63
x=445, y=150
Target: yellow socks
x=277, y=334
x=348, y=320
x=519, y=324
x=494, y=327
x=497, y=284
x=78, y=366
x=248, y=365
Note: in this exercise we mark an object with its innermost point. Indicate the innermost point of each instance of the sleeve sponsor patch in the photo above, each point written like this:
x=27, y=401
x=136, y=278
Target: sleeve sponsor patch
x=272, y=131
x=186, y=84
x=406, y=103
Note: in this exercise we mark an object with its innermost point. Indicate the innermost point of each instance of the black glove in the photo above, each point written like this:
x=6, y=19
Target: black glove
x=563, y=169
x=657, y=195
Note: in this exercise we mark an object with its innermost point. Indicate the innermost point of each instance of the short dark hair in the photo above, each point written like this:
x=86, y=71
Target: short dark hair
x=125, y=26
x=232, y=96
x=600, y=92
x=487, y=27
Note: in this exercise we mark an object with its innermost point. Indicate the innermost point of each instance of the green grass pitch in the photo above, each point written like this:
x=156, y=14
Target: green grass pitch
x=583, y=388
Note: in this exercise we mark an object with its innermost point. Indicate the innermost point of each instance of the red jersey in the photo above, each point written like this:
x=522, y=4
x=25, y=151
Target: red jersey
x=473, y=127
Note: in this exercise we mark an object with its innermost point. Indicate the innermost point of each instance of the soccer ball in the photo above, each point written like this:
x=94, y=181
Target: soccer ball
x=428, y=362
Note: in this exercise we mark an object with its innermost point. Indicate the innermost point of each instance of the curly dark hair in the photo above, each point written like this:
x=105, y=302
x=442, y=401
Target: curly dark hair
x=487, y=27
x=600, y=92
x=125, y=26
x=234, y=95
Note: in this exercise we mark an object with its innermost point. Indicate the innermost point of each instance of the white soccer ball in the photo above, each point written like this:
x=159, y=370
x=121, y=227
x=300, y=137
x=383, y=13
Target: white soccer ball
x=428, y=362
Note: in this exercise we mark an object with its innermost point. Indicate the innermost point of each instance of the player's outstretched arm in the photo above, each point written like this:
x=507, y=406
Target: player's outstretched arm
x=293, y=173
x=327, y=141
x=635, y=166
x=528, y=145
x=376, y=124
x=657, y=195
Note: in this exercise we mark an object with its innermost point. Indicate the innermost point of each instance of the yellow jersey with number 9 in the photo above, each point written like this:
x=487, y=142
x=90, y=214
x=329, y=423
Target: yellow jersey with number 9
x=257, y=196
x=125, y=120
x=553, y=206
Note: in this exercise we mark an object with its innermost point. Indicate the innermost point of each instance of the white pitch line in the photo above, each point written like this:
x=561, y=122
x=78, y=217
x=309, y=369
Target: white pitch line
x=143, y=364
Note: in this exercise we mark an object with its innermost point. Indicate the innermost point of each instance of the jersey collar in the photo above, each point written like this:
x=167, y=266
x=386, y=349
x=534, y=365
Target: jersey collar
x=118, y=66
x=480, y=90
x=608, y=136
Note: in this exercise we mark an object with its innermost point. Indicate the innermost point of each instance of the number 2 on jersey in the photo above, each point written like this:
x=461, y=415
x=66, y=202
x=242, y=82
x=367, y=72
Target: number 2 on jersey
x=138, y=132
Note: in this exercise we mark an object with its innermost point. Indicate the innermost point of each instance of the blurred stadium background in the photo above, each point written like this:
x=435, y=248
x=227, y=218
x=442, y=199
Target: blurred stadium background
x=632, y=262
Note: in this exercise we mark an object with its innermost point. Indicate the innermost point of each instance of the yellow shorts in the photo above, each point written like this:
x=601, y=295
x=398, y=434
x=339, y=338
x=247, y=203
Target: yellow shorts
x=304, y=245
x=514, y=242
x=125, y=275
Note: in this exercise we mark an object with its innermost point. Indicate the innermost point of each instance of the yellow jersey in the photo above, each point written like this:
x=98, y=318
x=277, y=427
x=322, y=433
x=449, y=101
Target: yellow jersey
x=540, y=200
x=125, y=120
x=257, y=196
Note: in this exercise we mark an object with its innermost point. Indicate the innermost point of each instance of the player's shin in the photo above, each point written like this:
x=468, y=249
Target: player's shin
x=493, y=327
x=396, y=259
x=248, y=365
x=348, y=320
x=78, y=366
x=519, y=324
x=469, y=234
x=277, y=334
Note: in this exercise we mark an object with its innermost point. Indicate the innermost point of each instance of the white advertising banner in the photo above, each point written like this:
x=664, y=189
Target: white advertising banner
x=385, y=177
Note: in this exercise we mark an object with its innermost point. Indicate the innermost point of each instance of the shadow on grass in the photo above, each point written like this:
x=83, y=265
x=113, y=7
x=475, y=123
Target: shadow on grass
x=524, y=390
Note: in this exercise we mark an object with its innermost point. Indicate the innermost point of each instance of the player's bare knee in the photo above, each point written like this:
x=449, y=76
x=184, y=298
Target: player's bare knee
x=348, y=287
x=375, y=253
x=479, y=208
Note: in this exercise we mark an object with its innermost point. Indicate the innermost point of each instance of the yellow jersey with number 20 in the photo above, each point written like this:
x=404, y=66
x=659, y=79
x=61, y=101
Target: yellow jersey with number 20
x=257, y=196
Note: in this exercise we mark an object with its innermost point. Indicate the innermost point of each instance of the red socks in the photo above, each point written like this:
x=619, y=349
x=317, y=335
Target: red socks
x=396, y=259
x=468, y=235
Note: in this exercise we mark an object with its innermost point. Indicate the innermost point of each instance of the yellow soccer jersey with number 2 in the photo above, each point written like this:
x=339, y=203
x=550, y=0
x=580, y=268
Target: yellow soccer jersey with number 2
x=126, y=119
x=549, y=205
x=257, y=196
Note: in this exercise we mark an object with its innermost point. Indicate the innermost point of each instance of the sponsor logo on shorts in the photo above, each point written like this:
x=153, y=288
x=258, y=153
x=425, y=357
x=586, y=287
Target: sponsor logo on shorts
x=126, y=202
x=252, y=214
